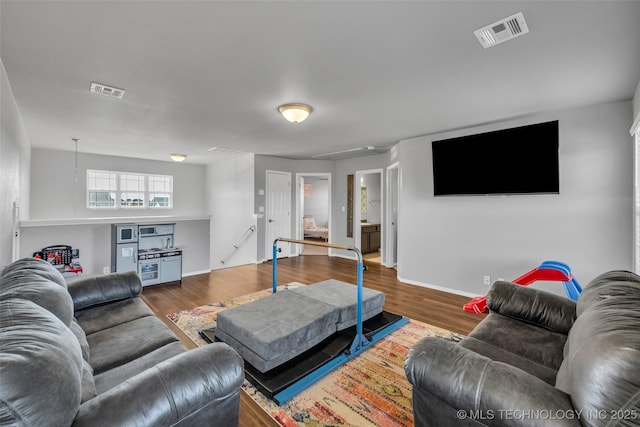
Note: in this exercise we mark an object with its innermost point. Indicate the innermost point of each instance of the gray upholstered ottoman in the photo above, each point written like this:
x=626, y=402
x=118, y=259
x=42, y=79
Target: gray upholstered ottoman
x=275, y=329
x=344, y=296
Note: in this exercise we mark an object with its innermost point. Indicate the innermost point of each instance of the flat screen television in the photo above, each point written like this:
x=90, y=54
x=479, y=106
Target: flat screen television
x=520, y=160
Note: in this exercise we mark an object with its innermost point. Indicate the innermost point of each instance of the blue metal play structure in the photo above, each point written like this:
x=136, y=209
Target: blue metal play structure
x=361, y=341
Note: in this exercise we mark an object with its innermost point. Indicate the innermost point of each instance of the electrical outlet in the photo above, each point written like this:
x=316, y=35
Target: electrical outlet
x=487, y=280
x=106, y=270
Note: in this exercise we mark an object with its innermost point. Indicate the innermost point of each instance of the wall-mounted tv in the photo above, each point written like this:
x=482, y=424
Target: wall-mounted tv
x=521, y=160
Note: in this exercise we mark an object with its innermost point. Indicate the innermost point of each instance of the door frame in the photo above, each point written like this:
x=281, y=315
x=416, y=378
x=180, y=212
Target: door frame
x=357, y=214
x=388, y=259
x=269, y=244
x=299, y=208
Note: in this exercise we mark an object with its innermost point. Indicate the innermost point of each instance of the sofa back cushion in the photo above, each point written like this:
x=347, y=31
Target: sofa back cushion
x=616, y=283
x=41, y=365
x=601, y=367
x=87, y=292
x=30, y=285
x=37, y=267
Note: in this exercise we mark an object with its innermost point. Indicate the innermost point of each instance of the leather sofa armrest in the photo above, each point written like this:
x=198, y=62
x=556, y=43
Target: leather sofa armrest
x=544, y=309
x=96, y=290
x=493, y=393
x=183, y=390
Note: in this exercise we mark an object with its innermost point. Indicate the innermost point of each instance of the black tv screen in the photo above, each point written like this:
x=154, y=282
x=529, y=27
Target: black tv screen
x=521, y=160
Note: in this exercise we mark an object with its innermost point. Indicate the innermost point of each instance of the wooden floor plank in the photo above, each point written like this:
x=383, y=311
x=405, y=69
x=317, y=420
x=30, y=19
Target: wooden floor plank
x=426, y=305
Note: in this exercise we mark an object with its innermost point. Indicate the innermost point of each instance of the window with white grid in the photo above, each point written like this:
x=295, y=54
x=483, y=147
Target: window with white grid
x=160, y=191
x=101, y=189
x=128, y=190
x=132, y=193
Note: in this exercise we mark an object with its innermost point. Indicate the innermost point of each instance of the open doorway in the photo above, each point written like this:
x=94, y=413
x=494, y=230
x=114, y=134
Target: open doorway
x=368, y=224
x=313, y=211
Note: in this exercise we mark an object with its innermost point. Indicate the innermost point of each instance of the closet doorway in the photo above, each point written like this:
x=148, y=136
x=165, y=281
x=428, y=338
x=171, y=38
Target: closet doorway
x=313, y=201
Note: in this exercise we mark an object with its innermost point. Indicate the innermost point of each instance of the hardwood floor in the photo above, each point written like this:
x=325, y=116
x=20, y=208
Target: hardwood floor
x=427, y=305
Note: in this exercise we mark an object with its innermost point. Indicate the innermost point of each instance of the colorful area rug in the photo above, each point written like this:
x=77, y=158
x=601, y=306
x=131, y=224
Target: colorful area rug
x=370, y=390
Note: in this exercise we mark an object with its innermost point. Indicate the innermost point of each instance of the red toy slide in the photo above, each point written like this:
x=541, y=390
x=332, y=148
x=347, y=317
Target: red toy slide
x=548, y=271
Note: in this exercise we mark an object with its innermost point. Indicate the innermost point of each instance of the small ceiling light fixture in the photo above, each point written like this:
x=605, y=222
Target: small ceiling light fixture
x=178, y=157
x=295, y=113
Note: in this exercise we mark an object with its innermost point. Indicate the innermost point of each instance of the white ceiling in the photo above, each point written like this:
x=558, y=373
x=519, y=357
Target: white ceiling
x=212, y=73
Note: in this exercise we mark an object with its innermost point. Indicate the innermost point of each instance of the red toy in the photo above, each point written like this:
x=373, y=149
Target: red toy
x=548, y=271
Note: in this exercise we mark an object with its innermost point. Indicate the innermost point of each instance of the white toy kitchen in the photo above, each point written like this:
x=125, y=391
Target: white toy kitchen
x=149, y=250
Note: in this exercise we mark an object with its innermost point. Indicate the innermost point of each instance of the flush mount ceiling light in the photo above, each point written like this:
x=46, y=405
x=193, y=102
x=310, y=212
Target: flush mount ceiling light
x=295, y=113
x=178, y=157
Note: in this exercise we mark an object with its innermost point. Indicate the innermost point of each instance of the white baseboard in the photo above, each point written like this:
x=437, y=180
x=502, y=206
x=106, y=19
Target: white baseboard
x=195, y=273
x=342, y=256
x=438, y=288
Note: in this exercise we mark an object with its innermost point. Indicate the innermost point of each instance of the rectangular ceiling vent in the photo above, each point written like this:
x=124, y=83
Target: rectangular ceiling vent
x=228, y=150
x=353, y=152
x=105, y=90
x=501, y=31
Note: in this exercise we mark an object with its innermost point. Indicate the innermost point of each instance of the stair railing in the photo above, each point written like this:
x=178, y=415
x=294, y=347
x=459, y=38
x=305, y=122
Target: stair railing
x=237, y=244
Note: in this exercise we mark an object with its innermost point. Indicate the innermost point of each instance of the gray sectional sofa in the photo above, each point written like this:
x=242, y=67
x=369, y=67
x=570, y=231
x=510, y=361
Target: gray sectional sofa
x=538, y=359
x=91, y=353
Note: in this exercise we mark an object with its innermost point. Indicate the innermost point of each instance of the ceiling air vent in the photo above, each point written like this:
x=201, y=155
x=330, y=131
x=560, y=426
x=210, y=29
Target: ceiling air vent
x=501, y=31
x=105, y=90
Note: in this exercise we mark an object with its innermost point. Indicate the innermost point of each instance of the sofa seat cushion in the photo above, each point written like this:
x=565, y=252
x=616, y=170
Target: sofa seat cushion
x=125, y=342
x=41, y=367
x=111, y=378
x=535, y=350
x=102, y=317
x=270, y=331
x=344, y=296
x=497, y=354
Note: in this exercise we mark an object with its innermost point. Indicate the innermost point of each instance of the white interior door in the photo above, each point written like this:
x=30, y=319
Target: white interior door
x=278, y=211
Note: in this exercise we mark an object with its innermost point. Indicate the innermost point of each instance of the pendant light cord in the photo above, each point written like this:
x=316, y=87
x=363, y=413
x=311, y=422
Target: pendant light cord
x=75, y=178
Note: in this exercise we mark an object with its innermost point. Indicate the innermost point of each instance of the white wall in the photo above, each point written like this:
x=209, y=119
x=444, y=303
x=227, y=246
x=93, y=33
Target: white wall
x=264, y=163
x=339, y=206
x=636, y=102
x=230, y=189
x=15, y=149
x=453, y=242
x=94, y=243
x=55, y=194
